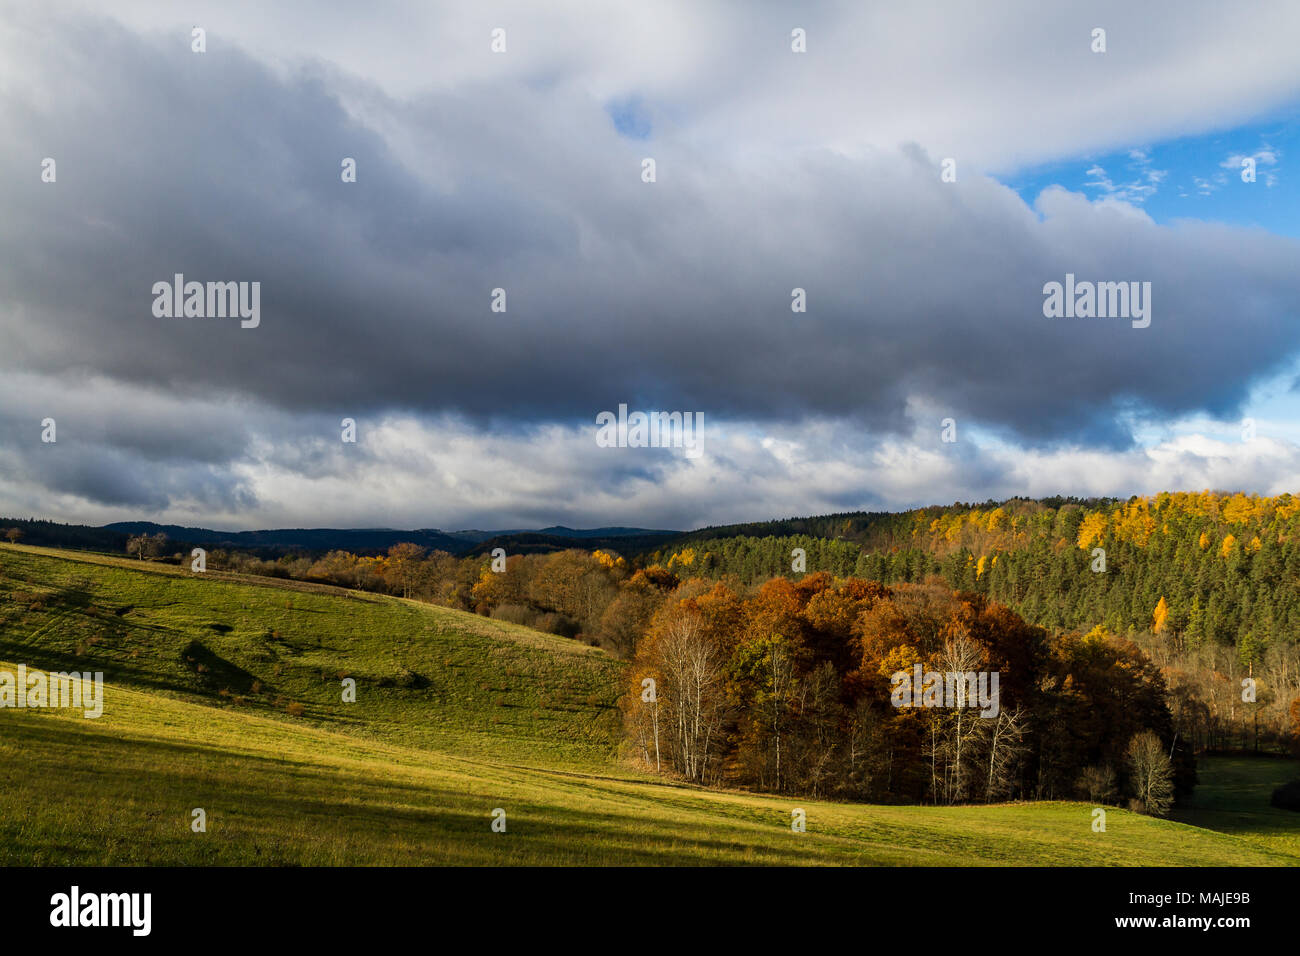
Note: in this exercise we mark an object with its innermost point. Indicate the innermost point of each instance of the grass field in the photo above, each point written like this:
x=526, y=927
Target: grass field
x=455, y=716
x=426, y=676
x=1233, y=797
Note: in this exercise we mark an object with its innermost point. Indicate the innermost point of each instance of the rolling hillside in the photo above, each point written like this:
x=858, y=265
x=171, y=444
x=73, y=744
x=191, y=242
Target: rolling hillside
x=224, y=694
x=425, y=676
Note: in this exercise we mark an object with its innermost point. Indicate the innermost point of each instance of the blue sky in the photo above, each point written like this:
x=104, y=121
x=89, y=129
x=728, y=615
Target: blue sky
x=1199, y=177
x=1191, y=177
x=630, y=117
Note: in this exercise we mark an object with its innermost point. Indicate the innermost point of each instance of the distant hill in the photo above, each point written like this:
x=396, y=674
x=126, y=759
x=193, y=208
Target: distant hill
x=272, y=543
x=306, y=539
x=625, y=541
x=559, y=531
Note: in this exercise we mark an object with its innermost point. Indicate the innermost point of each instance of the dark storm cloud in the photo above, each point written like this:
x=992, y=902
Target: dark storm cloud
x=110, y=476
x=668, y=295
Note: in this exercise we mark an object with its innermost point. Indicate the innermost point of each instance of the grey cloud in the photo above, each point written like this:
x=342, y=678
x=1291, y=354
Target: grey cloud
x=673, y=295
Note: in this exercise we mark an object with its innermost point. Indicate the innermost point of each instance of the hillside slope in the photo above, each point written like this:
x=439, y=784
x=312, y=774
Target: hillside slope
x=425, y=676
x=456, y=716
x=121, y=790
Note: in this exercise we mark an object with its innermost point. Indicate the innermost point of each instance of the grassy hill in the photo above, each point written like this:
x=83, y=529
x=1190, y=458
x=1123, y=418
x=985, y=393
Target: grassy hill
x=426, y=676
x=1234, y=798
x=224, y=693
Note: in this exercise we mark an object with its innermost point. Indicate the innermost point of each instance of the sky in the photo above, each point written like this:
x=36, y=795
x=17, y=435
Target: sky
x=921, y=171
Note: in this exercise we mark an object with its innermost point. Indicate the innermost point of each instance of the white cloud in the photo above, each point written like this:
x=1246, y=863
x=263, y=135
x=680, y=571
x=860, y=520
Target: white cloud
x=1140, y=185
x=445, y=472
x=996, y=84
x=1266, y=160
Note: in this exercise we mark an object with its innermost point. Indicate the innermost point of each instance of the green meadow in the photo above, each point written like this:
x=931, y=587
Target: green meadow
x=225, y=693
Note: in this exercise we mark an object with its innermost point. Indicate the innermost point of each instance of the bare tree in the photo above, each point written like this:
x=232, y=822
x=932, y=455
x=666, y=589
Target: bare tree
x=1153, y=774
x=1006, y=733
x=642, y=712
x=780, y=669
x=816, y=743
x=955, y=730
x=693, y=675
x=1098, y=782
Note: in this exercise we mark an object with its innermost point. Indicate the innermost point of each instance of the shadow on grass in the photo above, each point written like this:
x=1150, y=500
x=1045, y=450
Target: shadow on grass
x=75, y=781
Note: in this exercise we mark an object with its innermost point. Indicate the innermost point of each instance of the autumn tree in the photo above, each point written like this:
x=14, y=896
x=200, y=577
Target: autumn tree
x=403, y=567
x=657, y=577
x=574, y=584
x=494, y=588
x=627, y=617
x=767, y=683
x=336, y=567
x=691, y=669
x=1295, y=724
x=1160, y=616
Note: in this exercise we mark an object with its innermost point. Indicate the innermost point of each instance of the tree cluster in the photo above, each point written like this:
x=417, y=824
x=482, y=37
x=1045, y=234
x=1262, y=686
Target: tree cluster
x=786, y=687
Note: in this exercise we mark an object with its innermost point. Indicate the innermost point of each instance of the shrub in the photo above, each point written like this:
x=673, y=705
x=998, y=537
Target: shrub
x=514, y=614
x=405, y=678
x=1098, y=784
x=1287, y=796
x=558, y=624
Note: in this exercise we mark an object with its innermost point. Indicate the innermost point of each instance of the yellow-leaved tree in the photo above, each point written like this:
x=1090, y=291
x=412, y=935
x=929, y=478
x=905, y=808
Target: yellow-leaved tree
x=1160, y=617
x=1091, y=529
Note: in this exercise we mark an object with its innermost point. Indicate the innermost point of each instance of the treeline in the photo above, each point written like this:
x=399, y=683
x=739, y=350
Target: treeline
x=1207, y=584
x=51, y=534
x=753, y=560
x=871, y=530
x=1210, y=582
x=788, y=687
x=597, y=596
x=1227, y=566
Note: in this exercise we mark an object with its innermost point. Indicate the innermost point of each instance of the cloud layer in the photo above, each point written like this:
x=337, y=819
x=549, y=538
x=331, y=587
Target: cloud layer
x=522, y=171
